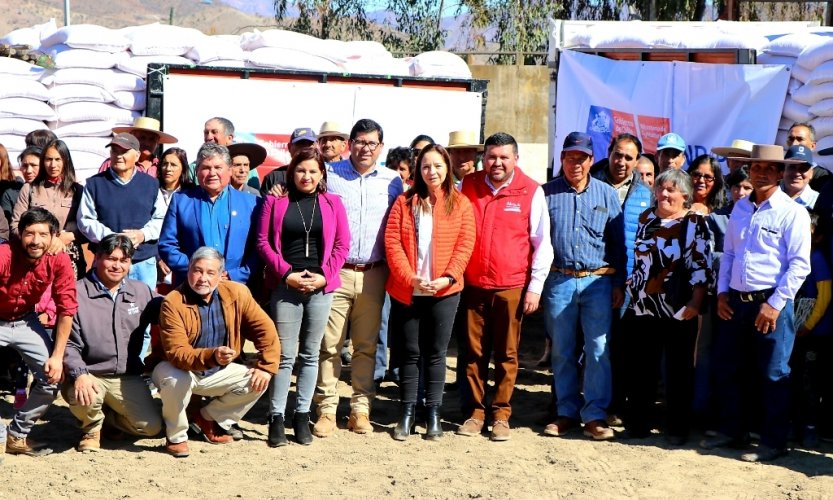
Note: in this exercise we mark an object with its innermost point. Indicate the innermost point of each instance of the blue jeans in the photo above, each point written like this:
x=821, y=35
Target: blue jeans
x=567, y=301
x=301, y=320
x=31, y=341
x=145, y=271
x=382, y=344
x=753, y=373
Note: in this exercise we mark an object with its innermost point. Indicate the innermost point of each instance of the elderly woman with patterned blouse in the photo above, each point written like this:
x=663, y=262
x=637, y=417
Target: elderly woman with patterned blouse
x=671, y=273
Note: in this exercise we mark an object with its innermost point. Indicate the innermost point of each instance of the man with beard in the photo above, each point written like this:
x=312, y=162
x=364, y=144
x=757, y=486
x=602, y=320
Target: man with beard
x=26, y=272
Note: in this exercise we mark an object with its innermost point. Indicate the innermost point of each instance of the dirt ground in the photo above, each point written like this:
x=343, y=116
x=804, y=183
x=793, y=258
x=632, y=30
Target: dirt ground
x=372, y=466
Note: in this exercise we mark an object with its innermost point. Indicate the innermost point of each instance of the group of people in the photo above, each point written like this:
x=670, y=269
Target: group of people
x=630, y=259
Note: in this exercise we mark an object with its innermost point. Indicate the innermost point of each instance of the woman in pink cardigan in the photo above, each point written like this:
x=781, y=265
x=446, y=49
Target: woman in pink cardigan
x=303, y=238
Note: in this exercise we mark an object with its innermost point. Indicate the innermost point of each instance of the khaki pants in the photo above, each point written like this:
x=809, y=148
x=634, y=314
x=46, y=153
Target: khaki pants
x=127, y=397
x=229, y=388
x=357, y=304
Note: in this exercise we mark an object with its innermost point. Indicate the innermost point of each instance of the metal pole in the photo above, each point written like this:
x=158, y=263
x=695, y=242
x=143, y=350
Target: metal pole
x=66, y=12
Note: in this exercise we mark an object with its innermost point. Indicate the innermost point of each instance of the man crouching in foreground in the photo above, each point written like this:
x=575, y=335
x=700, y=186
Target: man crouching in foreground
x=202, y=326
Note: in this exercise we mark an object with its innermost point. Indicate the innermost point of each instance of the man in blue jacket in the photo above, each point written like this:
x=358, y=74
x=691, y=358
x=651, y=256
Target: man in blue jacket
x=212, y=215
x=620, y=173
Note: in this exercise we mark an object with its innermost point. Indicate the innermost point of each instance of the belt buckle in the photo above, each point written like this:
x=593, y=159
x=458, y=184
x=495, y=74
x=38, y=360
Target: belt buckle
x=582, y=274
x=360, y=267
x=746, y=297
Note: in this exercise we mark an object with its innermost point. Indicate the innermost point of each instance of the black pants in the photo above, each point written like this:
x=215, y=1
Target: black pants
x=812, y=381
x=424, y=328
x=648, y=338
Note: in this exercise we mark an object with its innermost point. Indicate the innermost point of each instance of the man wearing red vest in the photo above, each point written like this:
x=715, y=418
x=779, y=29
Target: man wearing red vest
x=511, y=259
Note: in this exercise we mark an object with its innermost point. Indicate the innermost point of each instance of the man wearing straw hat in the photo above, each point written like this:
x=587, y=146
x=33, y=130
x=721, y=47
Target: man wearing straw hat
x=766, y=257
x=463, y=148
x=149, y=132
x=332, y=140
x=736, y=155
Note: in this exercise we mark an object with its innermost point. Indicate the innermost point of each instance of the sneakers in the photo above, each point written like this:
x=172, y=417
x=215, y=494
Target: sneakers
x=359, y=423
x=500, y=431
x=471, y=427
x=325, y=426
x=763, y=454
x=560, y=427
x=178, y=450
x=211, y=431
x=598, y=430
x=23, y=446
x=90, y=441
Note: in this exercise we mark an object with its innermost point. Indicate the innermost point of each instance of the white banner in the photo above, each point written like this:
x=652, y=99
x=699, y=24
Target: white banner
x=709, y=105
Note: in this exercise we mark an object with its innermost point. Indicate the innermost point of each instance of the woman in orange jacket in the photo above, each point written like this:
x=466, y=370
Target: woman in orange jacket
x=429, y=239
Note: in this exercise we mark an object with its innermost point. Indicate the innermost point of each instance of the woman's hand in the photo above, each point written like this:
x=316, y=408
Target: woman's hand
x=295, y=280
x=56, y=246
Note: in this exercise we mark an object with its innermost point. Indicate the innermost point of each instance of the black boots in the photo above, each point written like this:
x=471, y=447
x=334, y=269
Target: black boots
x=433, y=426
x=406, y=422
x=277, y=433
x=300, y=424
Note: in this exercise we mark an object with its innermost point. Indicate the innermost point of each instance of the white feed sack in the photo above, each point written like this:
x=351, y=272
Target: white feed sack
x=94, y=145
x=108, y=79
x=291, y=59
x=800, y=73
x=78, y=92
x=257, y=39
x=23, y=87
x=65, y=56
x=766, y=58
x=135, y=101
x=821, y=74
x=16, y=68
x=23, y=107
x=86, y=164
x=96, y=128
x=823, y=126
x=138, y=65
x=790, y=45
x=217, y=48
x=823, y=107
x=161, y=39
x=94, y=111
x=439, y=63
x=818, y=51
x=31, y=37
x=88, y=36
x=19, y=126
x=795, y=111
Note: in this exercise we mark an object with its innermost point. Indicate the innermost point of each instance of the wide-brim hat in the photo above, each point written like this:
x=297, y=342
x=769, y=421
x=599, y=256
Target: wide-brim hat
x=254, y=152
x=767, y=153
x=825, y=152
x=738, y=148
x=333, y=129
x=150, y=125
x=464, y=139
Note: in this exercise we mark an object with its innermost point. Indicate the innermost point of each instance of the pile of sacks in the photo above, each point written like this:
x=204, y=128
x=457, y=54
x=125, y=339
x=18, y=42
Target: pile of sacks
x=99, y=77
x=810, y=93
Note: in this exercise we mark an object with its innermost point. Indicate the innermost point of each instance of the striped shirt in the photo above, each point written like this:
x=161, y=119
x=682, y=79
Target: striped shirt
x=587, y=228
x=367, y=199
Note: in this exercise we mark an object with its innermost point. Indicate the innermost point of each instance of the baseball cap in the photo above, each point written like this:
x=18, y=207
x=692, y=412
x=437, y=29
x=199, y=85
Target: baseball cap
x=302, y=134
x=578, y=141
x=671, y=141
x=799, y=152
x=125, y=140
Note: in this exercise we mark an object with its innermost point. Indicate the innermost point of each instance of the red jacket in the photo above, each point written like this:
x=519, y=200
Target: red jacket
x=502, y=256
x=452, y=243
x=23, y=283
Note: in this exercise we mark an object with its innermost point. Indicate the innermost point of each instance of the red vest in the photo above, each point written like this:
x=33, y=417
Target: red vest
x=502, y=255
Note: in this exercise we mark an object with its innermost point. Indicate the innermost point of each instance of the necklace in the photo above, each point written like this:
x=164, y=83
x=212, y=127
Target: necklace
x=304, y=222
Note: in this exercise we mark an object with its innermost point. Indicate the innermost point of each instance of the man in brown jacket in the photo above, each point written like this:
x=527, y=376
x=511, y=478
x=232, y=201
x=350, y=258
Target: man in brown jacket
x=202, y=327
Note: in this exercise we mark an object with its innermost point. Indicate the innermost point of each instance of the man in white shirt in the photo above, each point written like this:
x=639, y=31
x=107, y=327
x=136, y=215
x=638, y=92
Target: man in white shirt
x=766, y=259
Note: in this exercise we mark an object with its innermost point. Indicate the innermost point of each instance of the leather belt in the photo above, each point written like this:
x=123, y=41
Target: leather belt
x=363, y=267
x=602, y=271
x=759, y=296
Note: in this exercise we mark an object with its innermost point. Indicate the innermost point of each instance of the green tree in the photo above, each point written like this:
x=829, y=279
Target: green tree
x=417, y=27
x=327, y=19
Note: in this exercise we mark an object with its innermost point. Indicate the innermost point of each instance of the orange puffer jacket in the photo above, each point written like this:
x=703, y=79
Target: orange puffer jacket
x=452, y=245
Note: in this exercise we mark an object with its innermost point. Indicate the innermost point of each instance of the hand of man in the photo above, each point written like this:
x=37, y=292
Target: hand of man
x=259, y=379
x=224, y=355
x=766, y=319
x=137, y=237
x=531, y=301
x=278, y=190
x=723, y=310
x=54, y=369
x=618, y=297
x=85, y=390
x=163, y=267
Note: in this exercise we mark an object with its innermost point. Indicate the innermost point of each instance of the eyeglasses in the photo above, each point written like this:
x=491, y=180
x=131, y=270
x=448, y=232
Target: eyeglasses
x=372, y=145
x=705, y=177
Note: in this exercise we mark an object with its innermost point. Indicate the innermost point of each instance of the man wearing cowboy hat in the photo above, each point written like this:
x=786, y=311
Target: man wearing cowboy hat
x=766, y=257
x=463, y=147
x=149, y=132
x=245, y=157
x=332, y=141
x=736, y=155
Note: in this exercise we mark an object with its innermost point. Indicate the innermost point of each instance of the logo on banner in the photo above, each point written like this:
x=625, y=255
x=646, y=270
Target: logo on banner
x=603, y=124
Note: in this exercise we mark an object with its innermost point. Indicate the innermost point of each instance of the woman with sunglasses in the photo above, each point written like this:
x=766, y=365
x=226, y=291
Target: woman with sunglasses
x=707, y=181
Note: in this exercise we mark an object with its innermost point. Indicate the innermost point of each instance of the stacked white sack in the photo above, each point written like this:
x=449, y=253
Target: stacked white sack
x=23, y=104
